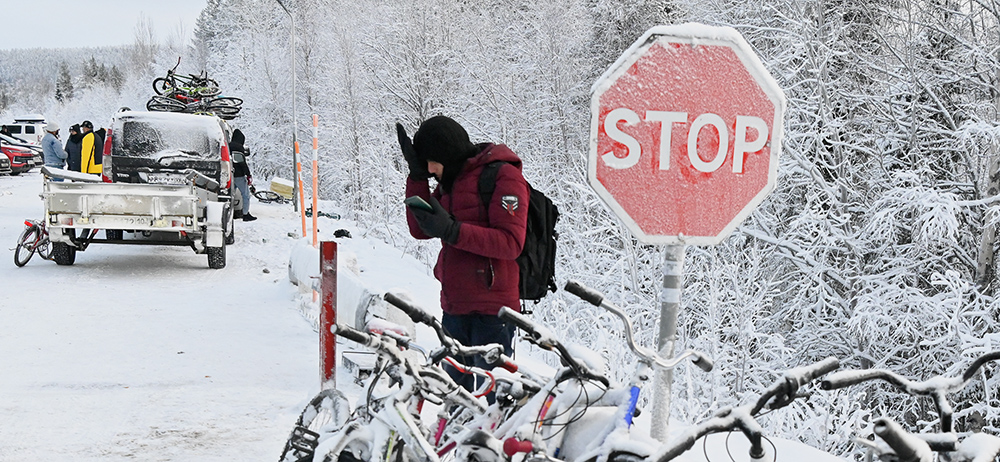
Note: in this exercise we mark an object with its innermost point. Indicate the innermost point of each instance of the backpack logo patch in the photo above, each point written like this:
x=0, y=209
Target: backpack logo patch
x=509, y=203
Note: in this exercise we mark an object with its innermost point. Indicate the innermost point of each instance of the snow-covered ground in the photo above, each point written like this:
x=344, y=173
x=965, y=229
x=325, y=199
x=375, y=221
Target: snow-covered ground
x=144, y=353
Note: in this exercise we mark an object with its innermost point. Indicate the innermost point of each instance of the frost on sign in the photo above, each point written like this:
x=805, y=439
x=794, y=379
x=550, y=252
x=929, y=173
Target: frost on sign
x=685, y=134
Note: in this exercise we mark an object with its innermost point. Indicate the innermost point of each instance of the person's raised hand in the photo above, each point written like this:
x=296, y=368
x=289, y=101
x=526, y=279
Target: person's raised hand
x=418, y=167
x=437, y=222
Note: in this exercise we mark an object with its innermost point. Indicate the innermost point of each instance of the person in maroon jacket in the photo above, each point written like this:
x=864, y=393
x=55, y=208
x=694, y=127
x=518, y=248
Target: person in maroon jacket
x=479, y=244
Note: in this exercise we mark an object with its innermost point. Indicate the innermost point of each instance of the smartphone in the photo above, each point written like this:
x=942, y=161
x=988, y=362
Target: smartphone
x=418, y=202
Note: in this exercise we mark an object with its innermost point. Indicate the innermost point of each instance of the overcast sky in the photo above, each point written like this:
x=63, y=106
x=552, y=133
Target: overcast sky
x=90, y=23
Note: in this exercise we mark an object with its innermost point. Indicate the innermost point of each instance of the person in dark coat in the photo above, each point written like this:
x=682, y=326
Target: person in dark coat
x=241, y=171
x=479, y=243
x=73, y=148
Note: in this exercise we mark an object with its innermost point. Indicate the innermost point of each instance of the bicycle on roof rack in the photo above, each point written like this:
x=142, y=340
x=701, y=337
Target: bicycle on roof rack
x=190, y=85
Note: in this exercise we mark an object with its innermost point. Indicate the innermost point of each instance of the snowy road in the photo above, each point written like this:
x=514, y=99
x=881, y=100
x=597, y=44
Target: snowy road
x=143, y=353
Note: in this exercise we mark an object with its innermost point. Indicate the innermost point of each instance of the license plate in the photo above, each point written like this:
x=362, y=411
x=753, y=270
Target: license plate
x=165, y=178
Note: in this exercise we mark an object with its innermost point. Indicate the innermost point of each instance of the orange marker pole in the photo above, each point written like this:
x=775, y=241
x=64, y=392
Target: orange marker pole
x=315, y=191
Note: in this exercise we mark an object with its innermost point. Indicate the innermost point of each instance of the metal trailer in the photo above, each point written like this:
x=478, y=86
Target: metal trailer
x=192, y=214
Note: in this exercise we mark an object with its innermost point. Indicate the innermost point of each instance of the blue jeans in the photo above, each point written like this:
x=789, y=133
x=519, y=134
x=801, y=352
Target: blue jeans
x=475, y=330
x=241, y=184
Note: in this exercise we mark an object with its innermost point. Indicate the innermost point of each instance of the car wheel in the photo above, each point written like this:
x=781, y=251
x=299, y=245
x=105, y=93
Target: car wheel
x=217, y=257
x=63, y=253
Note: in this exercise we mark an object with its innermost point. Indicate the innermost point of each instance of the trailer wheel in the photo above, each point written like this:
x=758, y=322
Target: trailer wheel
x=63, y=253
x=217, y=257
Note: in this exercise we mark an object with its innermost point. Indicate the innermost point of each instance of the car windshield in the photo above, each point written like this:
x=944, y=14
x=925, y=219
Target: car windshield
x=165, y=139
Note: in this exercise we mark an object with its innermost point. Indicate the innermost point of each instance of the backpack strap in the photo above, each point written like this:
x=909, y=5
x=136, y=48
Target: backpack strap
x=488, y=183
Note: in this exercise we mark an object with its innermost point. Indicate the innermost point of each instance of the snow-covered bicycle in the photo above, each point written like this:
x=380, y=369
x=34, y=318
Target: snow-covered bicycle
x=896, y=444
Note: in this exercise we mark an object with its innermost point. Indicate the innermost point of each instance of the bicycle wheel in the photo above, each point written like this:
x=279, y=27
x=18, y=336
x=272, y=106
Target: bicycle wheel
x=230, y=101
x=329, y=408
x=44, y=248
x=162, y=85
x=269, y=196
x=164, y=104
x=26, y=245
x=206, y=92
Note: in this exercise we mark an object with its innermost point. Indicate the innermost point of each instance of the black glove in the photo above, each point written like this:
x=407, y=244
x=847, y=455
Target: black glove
x=437, y=223
x=418, y=168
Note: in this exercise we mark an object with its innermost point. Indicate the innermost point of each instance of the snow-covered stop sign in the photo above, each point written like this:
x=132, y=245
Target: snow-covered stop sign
x=685, y=134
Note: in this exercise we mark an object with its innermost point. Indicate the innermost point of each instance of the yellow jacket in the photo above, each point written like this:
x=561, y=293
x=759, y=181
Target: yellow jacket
x=88, y=158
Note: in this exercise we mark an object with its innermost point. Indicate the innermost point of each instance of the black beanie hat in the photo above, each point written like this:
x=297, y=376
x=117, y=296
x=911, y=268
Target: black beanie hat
x=236, y=143
x=443, y=140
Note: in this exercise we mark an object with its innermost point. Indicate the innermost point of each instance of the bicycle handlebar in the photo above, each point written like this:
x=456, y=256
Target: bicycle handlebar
x=414, y=312
x=596, y=298
x=587, y=294
x=784, y=389
x=936, y=387
x=742, y=418
x=492, y=353
x=541, y=336
x=352, y=334
x=907, y=447
x=429, y=379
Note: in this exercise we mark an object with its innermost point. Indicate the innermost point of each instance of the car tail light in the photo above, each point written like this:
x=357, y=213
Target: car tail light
x=107, y=174
x=225, y=168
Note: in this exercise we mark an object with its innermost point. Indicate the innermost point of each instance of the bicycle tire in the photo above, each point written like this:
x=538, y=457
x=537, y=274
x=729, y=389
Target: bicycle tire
x=230, y=101
x=26, y=245
x=223, y=110
x=162, y=85
x=44, y=248
x=269, y=196
x=164, y=104
x=209, y=91
x=327, y=408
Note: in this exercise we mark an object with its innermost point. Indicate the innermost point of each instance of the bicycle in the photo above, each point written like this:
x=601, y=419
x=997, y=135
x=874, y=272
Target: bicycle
x=783, y=391
x=34, y=239
x=389, y=427
x=265, y=196
x=225, y=107
x=906, y=447
x=578, y=416
x=190, y=85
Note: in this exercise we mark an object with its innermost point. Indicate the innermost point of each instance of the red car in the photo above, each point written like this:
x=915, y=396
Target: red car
x=21, y=160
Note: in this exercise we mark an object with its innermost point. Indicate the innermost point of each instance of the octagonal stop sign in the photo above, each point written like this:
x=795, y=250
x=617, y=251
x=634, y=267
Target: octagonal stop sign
x=685, y=134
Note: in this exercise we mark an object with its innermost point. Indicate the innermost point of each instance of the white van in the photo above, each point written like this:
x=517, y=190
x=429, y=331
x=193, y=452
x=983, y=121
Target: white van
x=30, y=128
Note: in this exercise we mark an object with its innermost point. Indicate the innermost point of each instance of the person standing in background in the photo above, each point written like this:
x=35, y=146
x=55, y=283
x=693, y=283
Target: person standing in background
x=241, y=171
x=89, y=160
x=52, y=150
x=73, y=148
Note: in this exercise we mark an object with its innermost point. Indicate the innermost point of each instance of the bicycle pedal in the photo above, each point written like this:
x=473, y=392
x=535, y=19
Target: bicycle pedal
x=303, y=441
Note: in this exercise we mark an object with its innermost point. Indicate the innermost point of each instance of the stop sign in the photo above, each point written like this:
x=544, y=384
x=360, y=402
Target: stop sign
x=685, y=134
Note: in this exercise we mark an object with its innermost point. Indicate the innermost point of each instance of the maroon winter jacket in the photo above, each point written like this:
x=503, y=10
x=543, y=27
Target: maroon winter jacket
x=479, y=273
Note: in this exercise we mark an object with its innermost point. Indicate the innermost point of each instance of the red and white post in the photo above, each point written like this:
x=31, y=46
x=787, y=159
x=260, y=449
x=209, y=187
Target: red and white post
x=328, y=315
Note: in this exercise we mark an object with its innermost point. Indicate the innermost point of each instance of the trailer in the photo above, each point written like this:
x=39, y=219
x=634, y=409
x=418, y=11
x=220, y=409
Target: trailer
x=189, y=214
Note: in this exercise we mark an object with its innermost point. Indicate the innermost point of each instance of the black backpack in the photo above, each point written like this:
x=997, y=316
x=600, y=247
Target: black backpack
x=537, y=261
